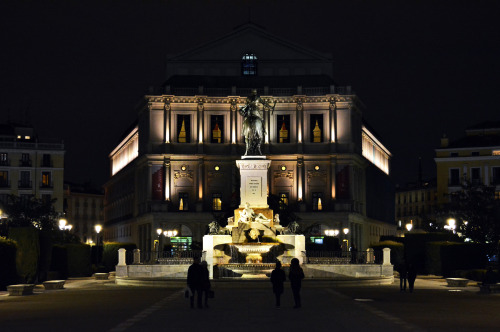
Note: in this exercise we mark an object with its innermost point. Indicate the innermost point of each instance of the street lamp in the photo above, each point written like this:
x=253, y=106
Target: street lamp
x=97, y=229
x=409, y=227
x=62, y=224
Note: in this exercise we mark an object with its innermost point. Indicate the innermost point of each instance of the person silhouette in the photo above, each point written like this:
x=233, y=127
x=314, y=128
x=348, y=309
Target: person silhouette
x=278, y=277
x=296, y=275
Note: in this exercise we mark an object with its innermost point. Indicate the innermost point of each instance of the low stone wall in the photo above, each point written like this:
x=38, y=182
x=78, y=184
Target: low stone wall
x=152, y=271
x=332, y=271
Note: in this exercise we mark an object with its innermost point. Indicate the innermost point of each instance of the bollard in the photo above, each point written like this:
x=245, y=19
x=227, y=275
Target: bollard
x=370, y=256
x=387, y=256
x=121, y=256
x=137, y=256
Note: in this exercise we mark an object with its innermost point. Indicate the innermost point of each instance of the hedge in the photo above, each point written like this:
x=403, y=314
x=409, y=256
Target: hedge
x=71, y=260
x=28, y=252
x=444, y=257
x=110, y=253
x=8, y=273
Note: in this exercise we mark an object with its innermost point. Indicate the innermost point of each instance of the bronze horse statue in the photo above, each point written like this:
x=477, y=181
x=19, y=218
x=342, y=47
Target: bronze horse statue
x=253, y=124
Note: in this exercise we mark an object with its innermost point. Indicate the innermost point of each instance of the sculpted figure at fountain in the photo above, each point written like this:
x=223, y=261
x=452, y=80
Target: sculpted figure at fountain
x=248, y=215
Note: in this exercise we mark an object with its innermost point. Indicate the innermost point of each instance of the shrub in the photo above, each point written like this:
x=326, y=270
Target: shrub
x=28, y=252
x=78, y=260
x=110, y=253
x=8, y=274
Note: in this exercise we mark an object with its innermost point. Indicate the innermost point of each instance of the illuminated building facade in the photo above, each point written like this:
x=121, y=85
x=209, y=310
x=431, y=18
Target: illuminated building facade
x=30, y=166
x=474, y=157
x=176, y=169
x=83, y=207
x=416, y=204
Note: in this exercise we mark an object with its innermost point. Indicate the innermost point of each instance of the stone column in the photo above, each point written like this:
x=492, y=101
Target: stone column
x=121, y=256
x=137, y=256
x=387, y=256
x=370, y=257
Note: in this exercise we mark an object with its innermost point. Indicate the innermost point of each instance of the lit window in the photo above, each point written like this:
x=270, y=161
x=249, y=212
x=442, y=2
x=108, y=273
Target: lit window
x=283, y=200
x=496, y=152
x=217, y=202
x=183, y=202
x=249, y=65
x=317, y=199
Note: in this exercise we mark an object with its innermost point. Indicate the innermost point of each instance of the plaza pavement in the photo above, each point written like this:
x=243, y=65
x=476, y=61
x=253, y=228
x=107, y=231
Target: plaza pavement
x=249, y=306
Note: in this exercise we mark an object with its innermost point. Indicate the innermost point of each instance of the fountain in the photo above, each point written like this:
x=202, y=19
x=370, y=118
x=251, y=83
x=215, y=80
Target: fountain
x=253, y=239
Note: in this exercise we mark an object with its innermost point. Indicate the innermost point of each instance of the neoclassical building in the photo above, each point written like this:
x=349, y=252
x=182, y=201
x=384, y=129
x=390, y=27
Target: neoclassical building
x=175, y=168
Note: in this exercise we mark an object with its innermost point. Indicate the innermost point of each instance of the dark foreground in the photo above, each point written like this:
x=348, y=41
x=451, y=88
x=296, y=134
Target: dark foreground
x=88, y=305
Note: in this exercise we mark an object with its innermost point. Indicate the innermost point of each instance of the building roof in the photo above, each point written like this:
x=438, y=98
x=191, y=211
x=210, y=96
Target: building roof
x=250, y=81
x=485, y=125
x=475, y=141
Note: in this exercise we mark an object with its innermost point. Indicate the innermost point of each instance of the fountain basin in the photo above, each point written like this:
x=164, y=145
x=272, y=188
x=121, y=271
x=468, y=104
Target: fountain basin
x=254, y=251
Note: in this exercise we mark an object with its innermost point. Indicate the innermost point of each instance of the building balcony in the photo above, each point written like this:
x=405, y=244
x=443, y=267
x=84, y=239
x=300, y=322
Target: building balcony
x=24, y=185
x=46, y=185
x=47, y=163
x=25, y=163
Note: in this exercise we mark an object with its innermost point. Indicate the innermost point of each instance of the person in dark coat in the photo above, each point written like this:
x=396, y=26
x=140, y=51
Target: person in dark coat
x=402, y=277
x=194, y=281
x=412, y=275
x=296, y=275
x=278, y=277
x=205, y=282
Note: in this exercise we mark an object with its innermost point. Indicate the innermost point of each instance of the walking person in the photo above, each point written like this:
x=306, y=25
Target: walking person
x=296, y=275
x=412, y=275
x=278, y=277
x=194, y=281
x=205, y=282
x=402, y=277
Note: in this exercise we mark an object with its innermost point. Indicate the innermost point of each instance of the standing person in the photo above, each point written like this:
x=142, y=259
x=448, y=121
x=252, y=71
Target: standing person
x=296, y=275
x=194, y=281
x=412, y=275
x=205, y=282
x=402, y=277
x=278, y=277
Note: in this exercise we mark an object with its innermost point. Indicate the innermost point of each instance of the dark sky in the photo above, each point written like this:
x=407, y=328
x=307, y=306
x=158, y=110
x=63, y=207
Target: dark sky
x=76, y=70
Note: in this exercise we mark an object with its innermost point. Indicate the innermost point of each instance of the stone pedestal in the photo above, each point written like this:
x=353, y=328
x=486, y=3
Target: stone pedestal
x=212, y=254
x=253, y=174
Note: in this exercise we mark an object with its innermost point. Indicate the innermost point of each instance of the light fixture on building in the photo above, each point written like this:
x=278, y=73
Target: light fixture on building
x=159, y=231
x=409, y=227
x=316, y=168
x=217, y=168
x=283, y=168
x=346, y=231
x=183, y=168
x=332, y=232
x=170, y=233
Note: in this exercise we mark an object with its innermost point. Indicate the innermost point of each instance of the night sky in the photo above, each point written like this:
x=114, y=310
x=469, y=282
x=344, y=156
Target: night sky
x=76, y=70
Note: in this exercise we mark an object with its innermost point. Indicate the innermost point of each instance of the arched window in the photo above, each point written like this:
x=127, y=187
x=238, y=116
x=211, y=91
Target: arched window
x=249, y=64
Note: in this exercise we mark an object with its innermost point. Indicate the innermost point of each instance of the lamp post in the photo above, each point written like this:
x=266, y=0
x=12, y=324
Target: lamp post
x=346, y=241
x=159, y=231
x=409, y=227
x=97, y=229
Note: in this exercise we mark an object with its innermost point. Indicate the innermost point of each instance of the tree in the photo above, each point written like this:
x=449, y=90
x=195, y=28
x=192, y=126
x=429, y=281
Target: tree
x=31, y=212
x=476, y=212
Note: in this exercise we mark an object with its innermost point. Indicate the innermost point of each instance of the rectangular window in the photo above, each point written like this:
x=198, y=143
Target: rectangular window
x=4, y=159
x=25, y=181
x=25, y=160
x=46, y=160
x=4, y=179
x=454, y=177
x=46, y=180
x=316, y=128
x=475, y=175
x=183, y=202
x=317, y=200
x=283, y=199
x=474, y=153
x=283, y=128
x=496, y=175
x=183, y=128
x=216, y=202
x=217, y=128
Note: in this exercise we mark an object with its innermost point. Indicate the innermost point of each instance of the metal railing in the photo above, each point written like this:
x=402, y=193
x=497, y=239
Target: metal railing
x=335, y=257
x=177, y=257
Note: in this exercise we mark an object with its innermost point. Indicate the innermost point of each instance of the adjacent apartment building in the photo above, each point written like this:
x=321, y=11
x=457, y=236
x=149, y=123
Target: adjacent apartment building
x=175, y=169
x=30, y=165
x=474, y=157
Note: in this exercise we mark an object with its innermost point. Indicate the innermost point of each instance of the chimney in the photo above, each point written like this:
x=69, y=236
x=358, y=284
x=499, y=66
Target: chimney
x=444, y=141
